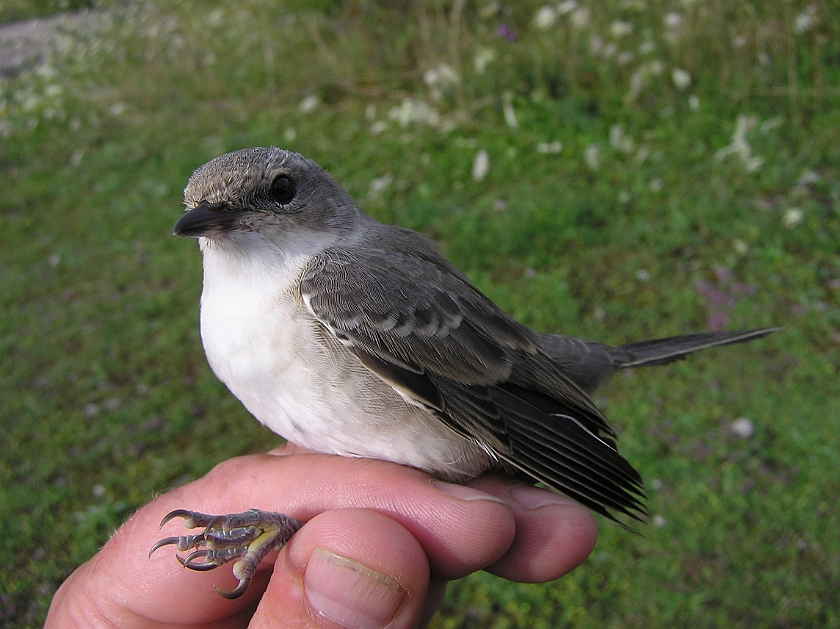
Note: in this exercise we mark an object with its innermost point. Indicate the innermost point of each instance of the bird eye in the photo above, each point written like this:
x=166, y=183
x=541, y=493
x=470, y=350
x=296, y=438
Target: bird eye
x=282, y=189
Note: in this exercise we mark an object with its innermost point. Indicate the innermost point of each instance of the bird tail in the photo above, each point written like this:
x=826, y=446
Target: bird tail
x=664, y=351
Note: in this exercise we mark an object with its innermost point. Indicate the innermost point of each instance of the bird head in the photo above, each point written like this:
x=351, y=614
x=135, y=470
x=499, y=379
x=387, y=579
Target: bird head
x=265, y=190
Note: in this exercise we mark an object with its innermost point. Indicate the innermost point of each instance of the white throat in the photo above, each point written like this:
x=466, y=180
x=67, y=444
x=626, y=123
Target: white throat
x=251, y=290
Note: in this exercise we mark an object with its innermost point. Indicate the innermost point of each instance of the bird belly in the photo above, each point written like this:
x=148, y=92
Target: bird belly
x=303, y=384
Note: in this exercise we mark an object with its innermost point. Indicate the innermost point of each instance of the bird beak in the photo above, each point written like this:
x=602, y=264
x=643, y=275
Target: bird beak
x=207, y=219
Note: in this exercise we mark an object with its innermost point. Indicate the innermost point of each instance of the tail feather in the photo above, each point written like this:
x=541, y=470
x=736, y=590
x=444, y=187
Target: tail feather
x=663, y=351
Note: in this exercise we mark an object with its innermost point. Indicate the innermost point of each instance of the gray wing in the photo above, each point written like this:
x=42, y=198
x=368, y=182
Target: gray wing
x=417, y=323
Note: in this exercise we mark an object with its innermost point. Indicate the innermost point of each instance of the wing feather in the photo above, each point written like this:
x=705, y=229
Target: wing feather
x=420, y=326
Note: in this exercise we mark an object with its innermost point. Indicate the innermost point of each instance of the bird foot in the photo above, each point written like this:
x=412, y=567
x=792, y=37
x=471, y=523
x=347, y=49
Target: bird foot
x=246, y=537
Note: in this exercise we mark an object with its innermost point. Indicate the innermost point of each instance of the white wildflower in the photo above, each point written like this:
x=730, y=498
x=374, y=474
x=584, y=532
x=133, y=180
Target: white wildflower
x=550, y=148
x=658, y=521
x=510, y=115
x=378, y=127
x=641, y=155
x=489, y=10
x=30, y=102
x=640, y=78
x=592, y=155
x=754, y=163
x=693, y=102
x=743, y=124
x=740, y=41
x=596, y=45
x=647, y=47
x=380, y=183
x=308, y=104
x=215, y=17
x=481, y=164
x=743, y=427
x=117, y=109
x=567, y=6
x=655, y=184
x=580, y=17
x=681, y=78
x=793, y=217
x=673, y=20
x=483, y=57
x=609, y=50
x=439, y=77
x=739, y=145
x=620, y=28
x=624, y=57
x=740, y=246
x=442, y=74
x=772, y=123
x=621, y=141
x=289, y=135
x=47, y=71
x=623, y=197
x=807, y=177
x=411, y=110
x=545, y=17
x=643, y=275
x=448, y=74
x=805, y=20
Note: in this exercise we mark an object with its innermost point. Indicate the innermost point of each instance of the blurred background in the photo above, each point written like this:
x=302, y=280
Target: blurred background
x=614, y=170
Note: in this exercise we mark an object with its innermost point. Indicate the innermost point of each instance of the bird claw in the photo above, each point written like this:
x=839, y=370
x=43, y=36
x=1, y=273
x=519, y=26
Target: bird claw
x=236, y=592
x=247, y=537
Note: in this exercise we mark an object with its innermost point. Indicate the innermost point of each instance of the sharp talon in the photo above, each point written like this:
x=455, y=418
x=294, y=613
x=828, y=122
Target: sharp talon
x=187, y=561
x=183, y=542
x=164, y=542
x=236, y=592
x=215, y=523
x=193, y=555
x=177, y=513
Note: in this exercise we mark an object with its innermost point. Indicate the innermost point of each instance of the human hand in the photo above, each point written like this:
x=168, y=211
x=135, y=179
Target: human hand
x=380, y=544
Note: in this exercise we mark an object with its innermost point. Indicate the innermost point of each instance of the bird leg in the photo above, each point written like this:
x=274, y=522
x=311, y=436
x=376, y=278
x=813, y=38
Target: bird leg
x=247, y=537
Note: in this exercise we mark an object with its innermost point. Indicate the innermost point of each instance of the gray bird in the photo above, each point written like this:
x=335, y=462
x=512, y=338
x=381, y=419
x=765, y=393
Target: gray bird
x=351, y=337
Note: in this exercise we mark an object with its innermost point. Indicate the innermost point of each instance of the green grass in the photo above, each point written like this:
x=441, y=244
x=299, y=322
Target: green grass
x=107, y=398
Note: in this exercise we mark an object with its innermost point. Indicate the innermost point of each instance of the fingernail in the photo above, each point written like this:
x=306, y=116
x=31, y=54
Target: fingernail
x=462, y=492
x=349, y=593
x=534, y=498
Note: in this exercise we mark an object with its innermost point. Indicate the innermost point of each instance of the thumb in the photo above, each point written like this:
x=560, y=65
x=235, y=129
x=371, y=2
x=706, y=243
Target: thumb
x=347, y=568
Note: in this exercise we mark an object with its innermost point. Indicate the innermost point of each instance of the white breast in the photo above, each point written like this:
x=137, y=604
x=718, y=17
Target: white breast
x=298, y=380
